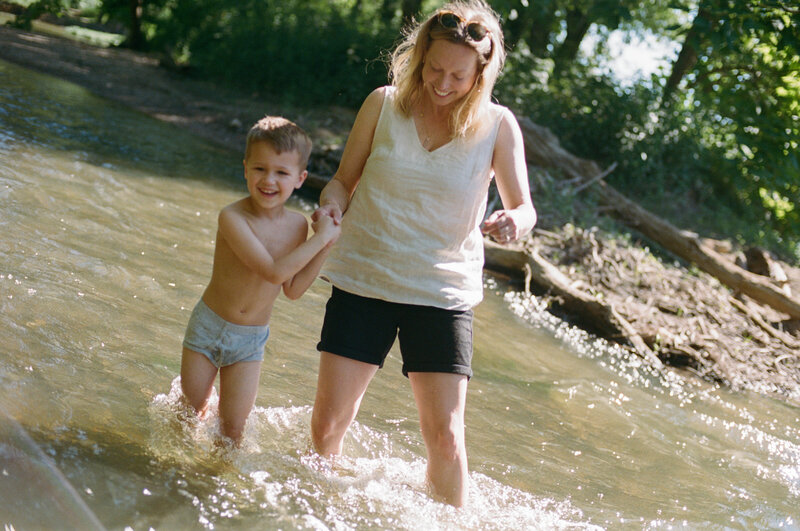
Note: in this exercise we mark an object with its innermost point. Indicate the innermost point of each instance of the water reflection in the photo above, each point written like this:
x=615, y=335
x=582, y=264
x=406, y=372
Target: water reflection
x=107, y=227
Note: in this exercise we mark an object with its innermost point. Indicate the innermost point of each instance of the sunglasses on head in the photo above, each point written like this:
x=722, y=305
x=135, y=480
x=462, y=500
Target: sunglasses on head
x=475, y=30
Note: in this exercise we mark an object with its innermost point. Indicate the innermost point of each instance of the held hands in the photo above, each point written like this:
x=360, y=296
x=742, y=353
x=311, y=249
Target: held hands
x=330, y=210
x=326, y=227
x=501, y=226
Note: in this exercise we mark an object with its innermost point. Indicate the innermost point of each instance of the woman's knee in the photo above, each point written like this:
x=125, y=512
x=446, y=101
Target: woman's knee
x=447, y=441
x=327, y=431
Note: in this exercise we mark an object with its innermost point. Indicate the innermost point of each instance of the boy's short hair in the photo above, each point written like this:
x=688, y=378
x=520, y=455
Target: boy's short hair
x=282, y=134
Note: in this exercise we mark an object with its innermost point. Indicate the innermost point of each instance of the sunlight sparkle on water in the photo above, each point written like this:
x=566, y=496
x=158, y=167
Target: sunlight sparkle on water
x=275, y=472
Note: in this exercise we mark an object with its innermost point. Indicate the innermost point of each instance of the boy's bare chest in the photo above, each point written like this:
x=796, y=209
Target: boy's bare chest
x=278, y=239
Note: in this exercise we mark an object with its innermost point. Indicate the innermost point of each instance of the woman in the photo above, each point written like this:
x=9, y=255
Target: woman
x=410, y=193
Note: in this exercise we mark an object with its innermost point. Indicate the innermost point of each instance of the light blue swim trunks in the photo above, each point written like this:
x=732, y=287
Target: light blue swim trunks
x=223, y=343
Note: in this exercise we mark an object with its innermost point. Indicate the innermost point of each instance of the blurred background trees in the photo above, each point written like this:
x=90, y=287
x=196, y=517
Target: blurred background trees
x=705, y=135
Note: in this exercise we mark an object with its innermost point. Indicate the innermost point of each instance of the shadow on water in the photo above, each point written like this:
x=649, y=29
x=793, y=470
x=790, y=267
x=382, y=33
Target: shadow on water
x=102, y=133
x=31, y=478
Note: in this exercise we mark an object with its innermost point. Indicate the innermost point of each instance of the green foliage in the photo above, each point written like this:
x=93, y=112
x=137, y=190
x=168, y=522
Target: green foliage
x=718, y=156
x=747, y=78
x=300, y=51
x=38, y=8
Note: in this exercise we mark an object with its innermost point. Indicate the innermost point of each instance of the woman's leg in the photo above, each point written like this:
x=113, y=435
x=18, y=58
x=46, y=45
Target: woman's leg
x=441, y=399
x=238, y=387
x=341, y=385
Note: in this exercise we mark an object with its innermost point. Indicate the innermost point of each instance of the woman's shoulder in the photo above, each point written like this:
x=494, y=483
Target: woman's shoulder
x=503, y=117
x=500, y=112
x=509, y=133
x=374, y=101
x=386, y=91
x=492, y=119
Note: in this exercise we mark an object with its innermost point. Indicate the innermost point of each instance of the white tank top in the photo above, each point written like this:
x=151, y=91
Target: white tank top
x=412, y=231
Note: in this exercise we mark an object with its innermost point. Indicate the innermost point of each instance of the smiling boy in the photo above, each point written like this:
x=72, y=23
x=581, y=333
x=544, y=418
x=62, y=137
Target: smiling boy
x=262, y=247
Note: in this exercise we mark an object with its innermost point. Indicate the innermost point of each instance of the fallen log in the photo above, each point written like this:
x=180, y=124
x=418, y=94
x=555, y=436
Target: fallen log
x=598, y=315
x=543, y=149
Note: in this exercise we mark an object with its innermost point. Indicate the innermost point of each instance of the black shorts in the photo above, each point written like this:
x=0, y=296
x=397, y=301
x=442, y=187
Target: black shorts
x=431, y=339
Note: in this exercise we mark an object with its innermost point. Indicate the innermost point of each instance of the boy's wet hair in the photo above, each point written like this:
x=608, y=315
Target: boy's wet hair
x=282, y=134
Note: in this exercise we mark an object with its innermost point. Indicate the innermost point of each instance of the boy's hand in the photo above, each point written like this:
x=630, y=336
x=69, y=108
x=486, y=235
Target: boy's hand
x=326, y=227
x=501, y=226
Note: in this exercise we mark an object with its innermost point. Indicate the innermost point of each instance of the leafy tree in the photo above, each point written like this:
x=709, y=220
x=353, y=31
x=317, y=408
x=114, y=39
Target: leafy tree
x=36, y=9
x=555, y=29
x=311, y=51
x=715, y=137
x=140, y=17
x=719, y=130
x=740, y=61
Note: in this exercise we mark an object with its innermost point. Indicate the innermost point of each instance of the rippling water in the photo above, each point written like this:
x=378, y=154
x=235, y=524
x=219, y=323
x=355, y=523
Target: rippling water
x=106, y=239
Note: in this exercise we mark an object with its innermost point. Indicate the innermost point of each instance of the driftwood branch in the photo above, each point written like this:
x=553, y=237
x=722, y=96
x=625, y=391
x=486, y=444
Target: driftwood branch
x=783, y=337
x=596, y=178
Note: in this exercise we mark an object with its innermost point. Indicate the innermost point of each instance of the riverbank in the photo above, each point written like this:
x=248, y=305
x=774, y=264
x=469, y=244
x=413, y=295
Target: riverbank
x=683, y=315
x=140, y=81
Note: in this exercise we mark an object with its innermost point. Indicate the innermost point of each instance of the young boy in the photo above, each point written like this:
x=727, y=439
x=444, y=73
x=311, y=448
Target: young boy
x=261, y=247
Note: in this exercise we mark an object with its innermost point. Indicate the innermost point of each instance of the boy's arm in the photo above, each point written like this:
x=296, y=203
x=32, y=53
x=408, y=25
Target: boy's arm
x=298, y=284
x=249, y=249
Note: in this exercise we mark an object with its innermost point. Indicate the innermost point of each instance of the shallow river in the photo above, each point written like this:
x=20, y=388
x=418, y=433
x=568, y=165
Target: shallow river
x=106, y=237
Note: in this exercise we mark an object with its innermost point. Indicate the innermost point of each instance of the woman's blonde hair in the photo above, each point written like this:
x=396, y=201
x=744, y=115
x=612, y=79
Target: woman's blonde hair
x=408, y=59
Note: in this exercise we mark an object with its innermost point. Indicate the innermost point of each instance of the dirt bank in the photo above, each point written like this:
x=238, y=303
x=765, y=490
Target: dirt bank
x=139, y=81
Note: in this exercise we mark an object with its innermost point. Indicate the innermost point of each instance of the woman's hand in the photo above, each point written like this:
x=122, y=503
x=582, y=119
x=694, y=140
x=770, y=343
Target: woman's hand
x=502, y=226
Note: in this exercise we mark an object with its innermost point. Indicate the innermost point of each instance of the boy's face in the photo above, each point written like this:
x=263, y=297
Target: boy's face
x=272, y=176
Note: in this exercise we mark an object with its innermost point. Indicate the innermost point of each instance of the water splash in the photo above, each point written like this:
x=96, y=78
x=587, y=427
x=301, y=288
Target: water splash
x=274, y=476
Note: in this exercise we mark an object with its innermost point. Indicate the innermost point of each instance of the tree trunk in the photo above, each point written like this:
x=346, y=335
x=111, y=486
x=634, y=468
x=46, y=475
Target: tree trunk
x=135, y=38
x=577, y=26
x=688, y=246
x=541, y=29
x=533, y=25
x=687, y=57
x=517, y=28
